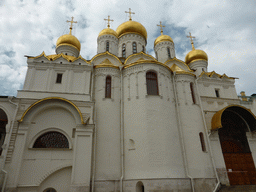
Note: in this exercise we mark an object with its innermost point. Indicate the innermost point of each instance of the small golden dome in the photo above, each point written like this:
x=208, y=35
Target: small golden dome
x=68, y=40
x=195, y=54
x=108, y=31
x=162, y=38
x=131, y=27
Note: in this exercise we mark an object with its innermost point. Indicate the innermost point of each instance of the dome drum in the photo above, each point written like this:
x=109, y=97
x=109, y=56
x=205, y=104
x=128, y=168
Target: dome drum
x=67, y=49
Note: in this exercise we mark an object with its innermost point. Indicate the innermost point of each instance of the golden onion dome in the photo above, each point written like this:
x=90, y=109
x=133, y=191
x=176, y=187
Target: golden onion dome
x=131, y=27
x=162, y=38
x=194, y=55
x=68, y=39
x=108, y=31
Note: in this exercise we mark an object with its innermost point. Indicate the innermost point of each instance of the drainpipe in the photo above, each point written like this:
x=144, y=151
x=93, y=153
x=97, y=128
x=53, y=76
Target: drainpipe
x=208, y=140
x=5, y=178
x=95, y=130
x=181, y=133
x=122, y=133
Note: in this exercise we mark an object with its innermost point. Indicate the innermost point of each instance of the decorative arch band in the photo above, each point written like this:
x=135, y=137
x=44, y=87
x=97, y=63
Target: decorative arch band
x=248, y=116
x=52, y=98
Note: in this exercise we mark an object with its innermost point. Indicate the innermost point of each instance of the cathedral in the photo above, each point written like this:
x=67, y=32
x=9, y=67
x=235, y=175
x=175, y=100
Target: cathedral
x=126, y=121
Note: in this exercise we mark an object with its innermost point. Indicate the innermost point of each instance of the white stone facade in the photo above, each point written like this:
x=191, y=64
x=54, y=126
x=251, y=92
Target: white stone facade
x=120, y=136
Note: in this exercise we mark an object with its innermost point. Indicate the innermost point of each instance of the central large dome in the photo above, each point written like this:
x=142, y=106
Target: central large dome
x=131, y=27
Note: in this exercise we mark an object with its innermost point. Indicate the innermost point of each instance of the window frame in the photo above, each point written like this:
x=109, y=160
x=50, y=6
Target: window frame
x=192, y=92
x=107, y=46
x=108, y=86
x=40, y=135
x=123, y=50
x=152, y=83
x=134, y=47
x=169, y=52
x=202, y=141
x=59, y=78
x=217, y=93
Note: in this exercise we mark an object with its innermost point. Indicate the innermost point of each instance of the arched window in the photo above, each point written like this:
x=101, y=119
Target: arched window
x=108, y=87
x=107, y=46
x=134, y=47
x=192, y=93
x=143, y=49
x=123, y=50
x=152, y=85
x=51, y=139
x=169, y=52
x=50, y=190
x=201, y=135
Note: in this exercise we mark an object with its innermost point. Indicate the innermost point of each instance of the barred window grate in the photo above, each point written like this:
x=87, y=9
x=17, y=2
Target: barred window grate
x=51, y=139
x=134, y=47
x=107, y=46
x=152, y=85
x=108, y=87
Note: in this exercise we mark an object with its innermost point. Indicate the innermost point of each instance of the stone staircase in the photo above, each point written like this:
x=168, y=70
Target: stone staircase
x=238, y=188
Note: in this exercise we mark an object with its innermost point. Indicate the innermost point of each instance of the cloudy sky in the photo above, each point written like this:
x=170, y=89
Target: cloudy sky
x=224, y=29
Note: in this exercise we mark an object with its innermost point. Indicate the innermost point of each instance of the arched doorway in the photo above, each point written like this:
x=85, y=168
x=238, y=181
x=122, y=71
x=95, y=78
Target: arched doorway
x=235, y=147
x=3, y=122
x=140, y=187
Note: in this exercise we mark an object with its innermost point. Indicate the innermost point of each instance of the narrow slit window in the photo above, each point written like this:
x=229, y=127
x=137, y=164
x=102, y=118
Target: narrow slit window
x=152, y=84
x=134, y=47
x=192, y=93
x=107, y=46
x=108, y=87
x=201, y=135
x=169, y=52
x=217, y=92
x=143, y=49
x=59, y=78
x=123, y=50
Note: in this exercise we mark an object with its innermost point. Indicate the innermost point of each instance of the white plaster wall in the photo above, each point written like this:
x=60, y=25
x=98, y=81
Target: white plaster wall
x=199, y=162
x=152, y=146
x=108, y=125
x=161, y=51
x=59, y=180
x=113, y=44
x=128, y=39
x=37, y=162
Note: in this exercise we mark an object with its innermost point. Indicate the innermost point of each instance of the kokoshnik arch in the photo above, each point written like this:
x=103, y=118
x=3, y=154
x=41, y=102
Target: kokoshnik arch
x=125, y=120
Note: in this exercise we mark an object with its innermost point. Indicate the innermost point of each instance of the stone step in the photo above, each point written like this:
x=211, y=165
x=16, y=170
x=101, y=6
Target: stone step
x=238, y=188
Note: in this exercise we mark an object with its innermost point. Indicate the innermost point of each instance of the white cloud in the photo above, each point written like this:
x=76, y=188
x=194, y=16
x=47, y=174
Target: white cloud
x=224, y=29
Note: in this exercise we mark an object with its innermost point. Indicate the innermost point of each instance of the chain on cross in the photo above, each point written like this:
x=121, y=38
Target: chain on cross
x=191, y=39
x=71, y=24
x=161, y=27
x=130, y=14
x=108, y=19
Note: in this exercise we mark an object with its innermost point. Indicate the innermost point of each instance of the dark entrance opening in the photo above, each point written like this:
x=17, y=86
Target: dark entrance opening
x=139, y=187
x=235, y=148
x=3, y=122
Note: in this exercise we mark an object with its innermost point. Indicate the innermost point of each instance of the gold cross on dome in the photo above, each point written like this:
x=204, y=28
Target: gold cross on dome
x=191, y=39
x=108, y=19
x=130, y=14
x=71, y=25
x=161, y=27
